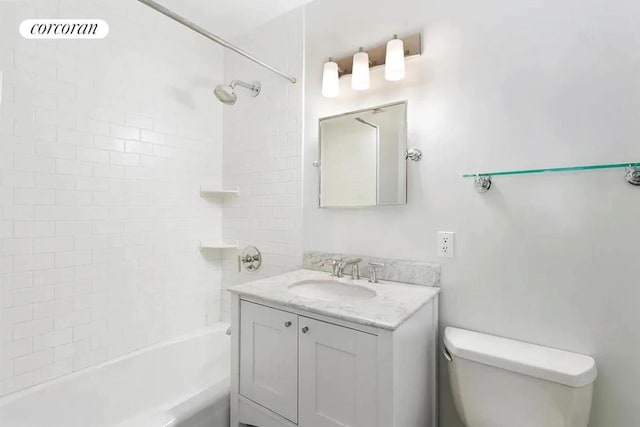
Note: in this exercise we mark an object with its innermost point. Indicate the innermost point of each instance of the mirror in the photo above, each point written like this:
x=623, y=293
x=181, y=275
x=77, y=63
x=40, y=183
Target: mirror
x=362, y=157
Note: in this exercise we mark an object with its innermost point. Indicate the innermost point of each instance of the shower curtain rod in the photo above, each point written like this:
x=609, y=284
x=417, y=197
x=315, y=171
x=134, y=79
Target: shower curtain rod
x=198, y=29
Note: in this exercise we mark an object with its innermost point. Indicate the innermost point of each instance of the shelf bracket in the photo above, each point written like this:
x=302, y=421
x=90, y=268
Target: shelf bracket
x=632, y=175
x=482, y=183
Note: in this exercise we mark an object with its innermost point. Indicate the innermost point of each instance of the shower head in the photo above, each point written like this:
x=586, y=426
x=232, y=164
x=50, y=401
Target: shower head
x=227, y=95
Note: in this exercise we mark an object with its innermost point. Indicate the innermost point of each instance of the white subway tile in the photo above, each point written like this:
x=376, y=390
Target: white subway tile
x=16, y=383
x=52, y=371
x=91, y=155
x=22, y=229
x=73, y=228
x=52, y=339
x=70, y=167
x=67, y=259
x=138, y=147
x=153, y=137
x=52, y=244
x=48, y=309
x=55, y=150
x=32, y=96
x=31, y=163
x=52, y=117
x=74, y=137
x=67, y=351
x=6, y=229
x=53, y=86
x=97, y=128
x=16, y=349
x=53, y=276
x=6, y=160
x=108, y=143
x=124, y=159
x=32, y=328
x=138, y=121
x=92, y=184
x=18, y=179
x=55, y=182
x=91, y=358
x=12, y=315
x=33, y=361
x=31, y=263
x=97, y=226
x=33, y=64
x=32, y=295
x=19, y=280
x=73, y=198
x=16, y=246
x=124, y=132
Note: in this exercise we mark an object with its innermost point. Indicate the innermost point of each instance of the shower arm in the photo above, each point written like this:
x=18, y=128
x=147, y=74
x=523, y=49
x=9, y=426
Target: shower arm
x=240, y=83
x=198, y=29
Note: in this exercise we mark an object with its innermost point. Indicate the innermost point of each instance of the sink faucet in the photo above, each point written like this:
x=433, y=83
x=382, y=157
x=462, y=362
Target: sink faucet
x=336, y=270
x=353, y=262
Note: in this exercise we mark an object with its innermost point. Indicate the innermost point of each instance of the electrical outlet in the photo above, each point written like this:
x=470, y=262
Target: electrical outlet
x=446, y=244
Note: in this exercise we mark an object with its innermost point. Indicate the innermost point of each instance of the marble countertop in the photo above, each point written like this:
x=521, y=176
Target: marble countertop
x=393, y=304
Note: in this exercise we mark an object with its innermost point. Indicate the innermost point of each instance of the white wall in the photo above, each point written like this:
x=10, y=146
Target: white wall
x=103, y=145
x=550, y=259
x=262, y=152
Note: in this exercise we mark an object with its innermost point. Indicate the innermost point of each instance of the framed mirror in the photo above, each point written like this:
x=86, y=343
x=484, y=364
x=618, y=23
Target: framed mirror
x=363, y=157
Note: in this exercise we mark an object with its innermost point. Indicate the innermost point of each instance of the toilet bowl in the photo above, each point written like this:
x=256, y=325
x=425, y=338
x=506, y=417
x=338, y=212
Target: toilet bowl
x=499, y=382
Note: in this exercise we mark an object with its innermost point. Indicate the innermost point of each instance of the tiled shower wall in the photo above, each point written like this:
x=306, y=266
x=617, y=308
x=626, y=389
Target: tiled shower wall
x=262, y=153
x=103, y=145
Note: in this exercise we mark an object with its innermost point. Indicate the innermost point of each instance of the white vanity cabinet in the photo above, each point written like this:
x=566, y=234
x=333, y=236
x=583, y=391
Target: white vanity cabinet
x=291, y=367
x=269, y=358
x=337, y=375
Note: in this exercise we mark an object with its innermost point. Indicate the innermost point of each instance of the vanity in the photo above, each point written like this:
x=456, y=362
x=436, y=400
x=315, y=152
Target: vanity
x=313, y=350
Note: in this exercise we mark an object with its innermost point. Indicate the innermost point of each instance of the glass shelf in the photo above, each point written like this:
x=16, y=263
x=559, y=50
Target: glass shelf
x=550, y=170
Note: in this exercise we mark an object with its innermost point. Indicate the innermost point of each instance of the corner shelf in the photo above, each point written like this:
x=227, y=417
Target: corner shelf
x=208, y=244
x=215, y=191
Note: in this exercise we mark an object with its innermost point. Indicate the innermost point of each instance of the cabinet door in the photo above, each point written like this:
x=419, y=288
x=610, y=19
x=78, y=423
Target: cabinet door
x=269, y=358
x=338, y=385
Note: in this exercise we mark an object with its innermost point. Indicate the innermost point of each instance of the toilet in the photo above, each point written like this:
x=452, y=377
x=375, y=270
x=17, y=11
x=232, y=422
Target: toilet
x=499, y=382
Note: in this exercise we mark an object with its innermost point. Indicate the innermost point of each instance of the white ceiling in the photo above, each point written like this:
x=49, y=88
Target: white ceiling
x=231, y=18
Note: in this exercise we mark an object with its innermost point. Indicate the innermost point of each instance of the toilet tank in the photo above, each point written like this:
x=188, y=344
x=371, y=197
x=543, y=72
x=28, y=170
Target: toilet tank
x=499, y=382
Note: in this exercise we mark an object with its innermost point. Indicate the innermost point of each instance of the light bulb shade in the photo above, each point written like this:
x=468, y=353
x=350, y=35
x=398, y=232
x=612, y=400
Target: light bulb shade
x=394, y=62
x=360, y=72
x=330, y=83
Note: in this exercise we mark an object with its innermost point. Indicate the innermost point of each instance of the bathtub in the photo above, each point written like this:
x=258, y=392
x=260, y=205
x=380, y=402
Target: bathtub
x=183, y=382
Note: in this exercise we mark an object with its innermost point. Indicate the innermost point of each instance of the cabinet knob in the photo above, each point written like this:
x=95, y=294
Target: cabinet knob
x=287, y=324
x=305, y=330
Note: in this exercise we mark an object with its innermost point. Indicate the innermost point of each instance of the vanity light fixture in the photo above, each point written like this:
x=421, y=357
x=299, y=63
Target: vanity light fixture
x=330, y=83
x=392, y=55
x=360, y=78
x=394, y=61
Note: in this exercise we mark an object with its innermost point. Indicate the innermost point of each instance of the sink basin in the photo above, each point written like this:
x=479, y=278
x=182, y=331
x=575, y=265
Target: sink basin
x=331, y=290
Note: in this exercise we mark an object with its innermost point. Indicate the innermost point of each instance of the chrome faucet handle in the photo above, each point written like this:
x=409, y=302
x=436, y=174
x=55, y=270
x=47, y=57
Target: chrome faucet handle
x=335, y=266
x=373, y=273
x=355, y=271
x=353, y=263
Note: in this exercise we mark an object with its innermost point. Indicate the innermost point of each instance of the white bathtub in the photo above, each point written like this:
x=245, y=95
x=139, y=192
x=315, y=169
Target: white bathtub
x=183, y=382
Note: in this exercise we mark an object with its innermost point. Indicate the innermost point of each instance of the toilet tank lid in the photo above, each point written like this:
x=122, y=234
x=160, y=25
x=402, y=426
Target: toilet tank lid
x=559, y=366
